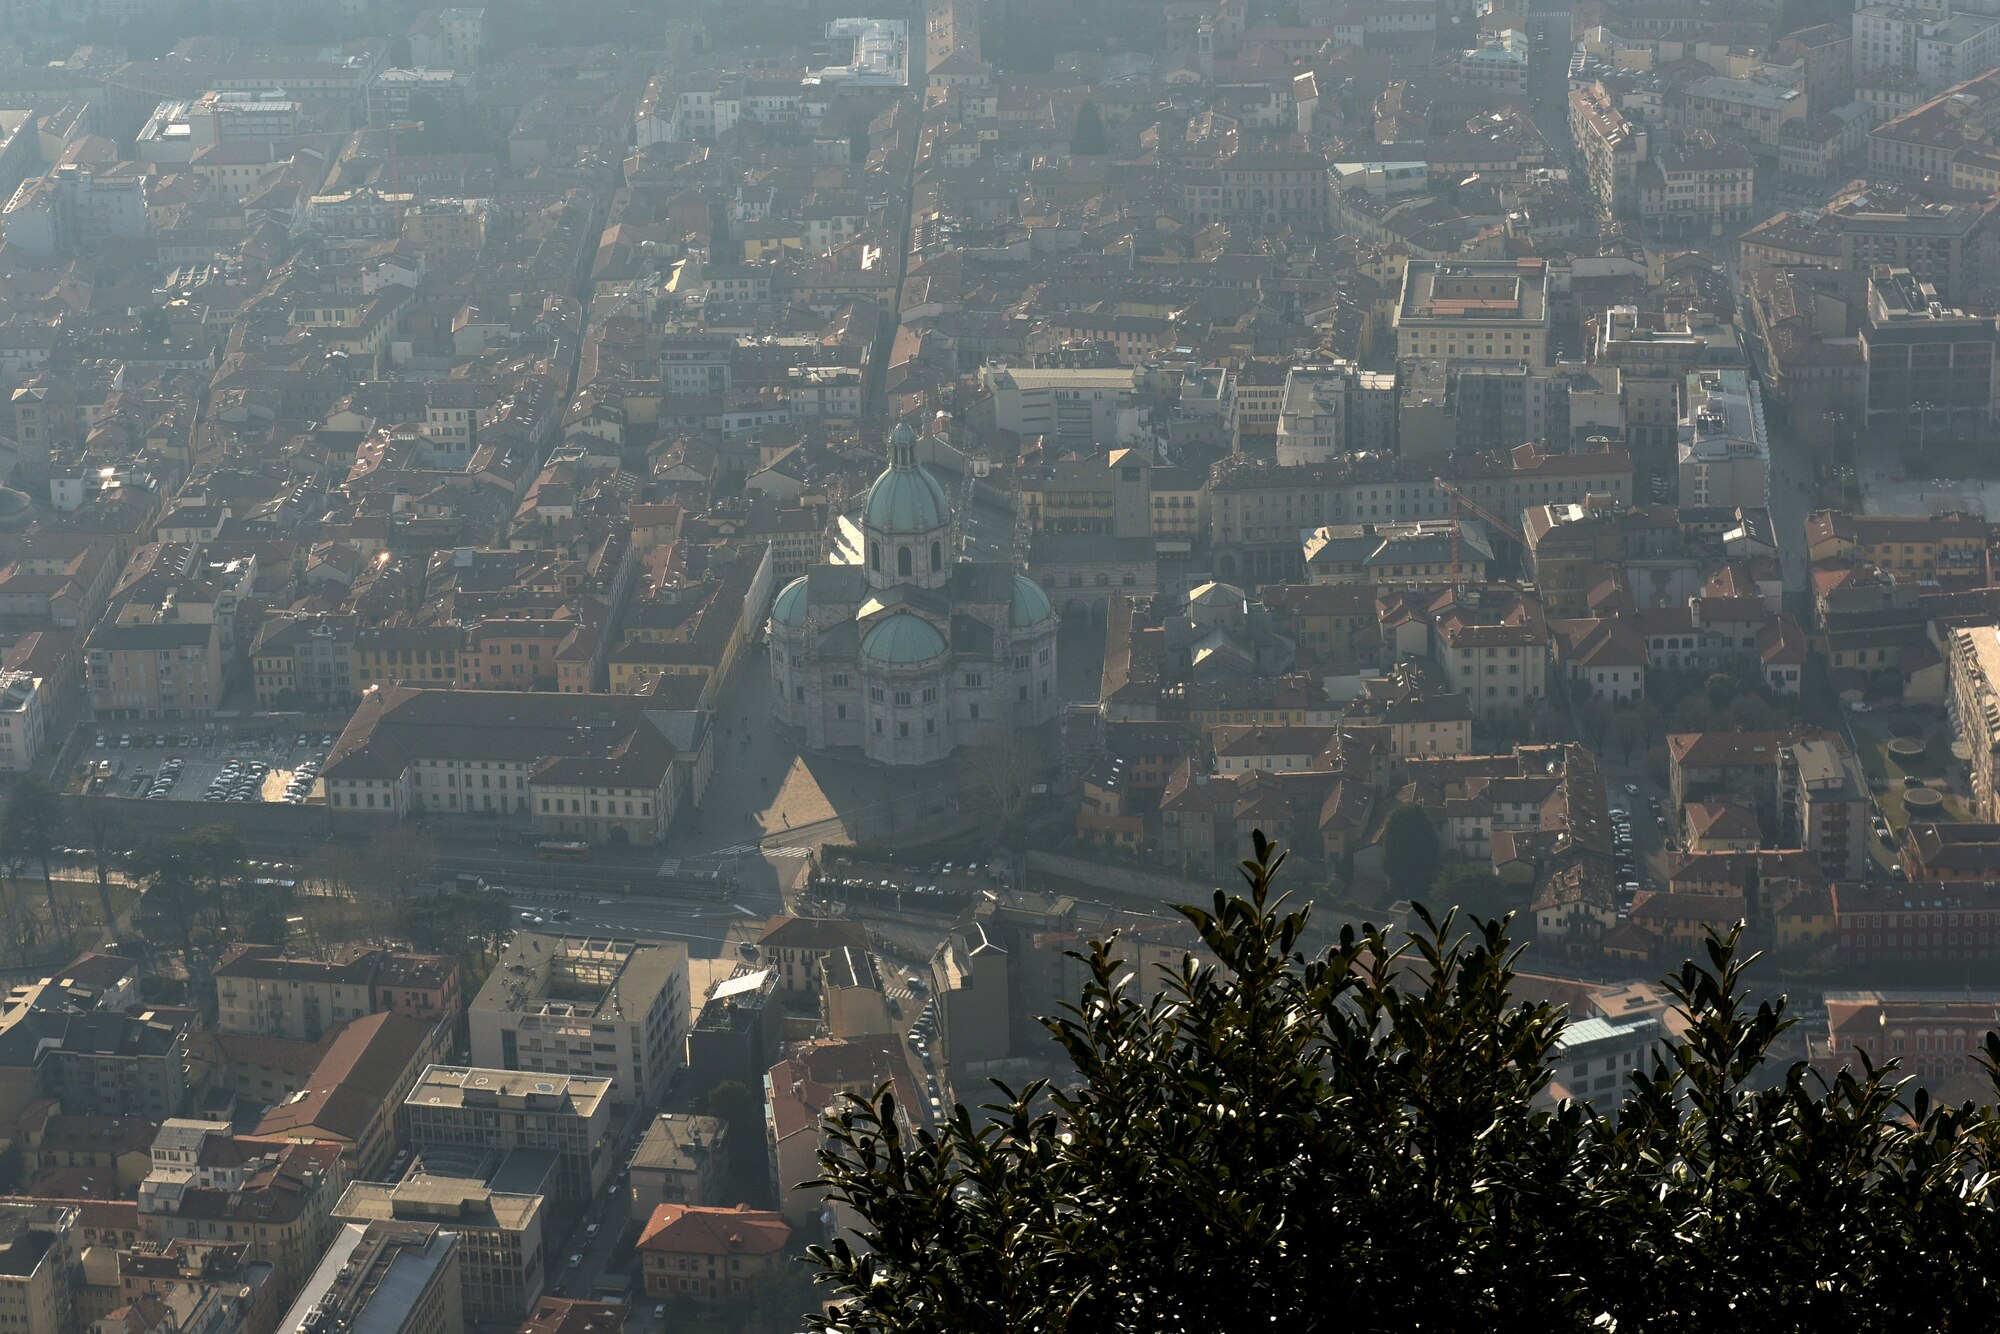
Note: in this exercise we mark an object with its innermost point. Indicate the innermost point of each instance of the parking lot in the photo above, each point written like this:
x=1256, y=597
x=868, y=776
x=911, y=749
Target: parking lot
x=180, y=766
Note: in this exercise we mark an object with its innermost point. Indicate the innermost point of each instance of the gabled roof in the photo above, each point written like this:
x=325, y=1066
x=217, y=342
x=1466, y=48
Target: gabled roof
x=680, y=1229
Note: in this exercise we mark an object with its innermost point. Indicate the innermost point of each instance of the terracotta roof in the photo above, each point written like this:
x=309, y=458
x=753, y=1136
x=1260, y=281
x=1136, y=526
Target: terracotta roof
x=813, y=933
x=680, y=1229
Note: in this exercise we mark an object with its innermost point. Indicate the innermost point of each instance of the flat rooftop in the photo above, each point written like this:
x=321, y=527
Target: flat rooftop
x=526, y=1090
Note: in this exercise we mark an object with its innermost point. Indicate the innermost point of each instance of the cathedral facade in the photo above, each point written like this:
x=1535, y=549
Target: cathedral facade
x=909, y=654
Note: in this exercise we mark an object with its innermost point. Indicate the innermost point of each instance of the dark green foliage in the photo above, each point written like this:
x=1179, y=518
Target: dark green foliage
x=1411, y=853
x=1353, y=1141
x=1089, y=139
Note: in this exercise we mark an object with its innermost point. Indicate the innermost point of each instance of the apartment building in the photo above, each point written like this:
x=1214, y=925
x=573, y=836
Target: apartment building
x=1330, y=410
x=681, y=1159
x=1257, y=510
x=103, y=1063
x=1266, y=188
x=1493, y=645
x=38, y=1267
x=709, y=1254
x=1975, y=711
x=1750, y=111
x=354, y=1096
x=585, y=1006
x=503, y=1260
x=23, y=719
x=1724, y=455
x=1696, y=186
x=1824, y=806
x=260, y=990
x=153, y=670
x=272, y=1197
x=457, y=1110
x=1613, y=148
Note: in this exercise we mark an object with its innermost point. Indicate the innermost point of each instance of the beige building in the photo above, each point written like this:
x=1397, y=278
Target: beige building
x=1612, y=148
x=502, y=1249
x=355, y=1094
x=271, y=1197
x=386, y=1278
x=457, y=1110
x=1494, y=646
x=261, y=990
x=1975, y=703
x=153, y=670
x=681, y=1159
x=852, y=1001
x=37, y=1267
x=612, y=1009
x=1490, y=310
x=796, y=948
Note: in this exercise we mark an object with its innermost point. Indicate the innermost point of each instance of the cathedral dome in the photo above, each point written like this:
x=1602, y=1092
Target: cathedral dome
x=790, y=606
x=1029, y=604
x=903, y=640
x=906, y=502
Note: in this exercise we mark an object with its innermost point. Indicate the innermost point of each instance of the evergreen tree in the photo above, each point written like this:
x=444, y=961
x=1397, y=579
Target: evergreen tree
x=1089, y=138
x=1410, y=851
x=1365, y=1140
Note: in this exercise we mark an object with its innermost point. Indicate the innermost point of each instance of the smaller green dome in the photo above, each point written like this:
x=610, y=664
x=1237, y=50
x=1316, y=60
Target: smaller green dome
x=903, y=640
x=790, y=606
x=1030, y=605
x=903, y=435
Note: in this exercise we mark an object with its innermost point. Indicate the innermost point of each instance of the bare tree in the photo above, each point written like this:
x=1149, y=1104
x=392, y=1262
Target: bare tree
x=1002, y=775
x=99, y=832
x=407, y=856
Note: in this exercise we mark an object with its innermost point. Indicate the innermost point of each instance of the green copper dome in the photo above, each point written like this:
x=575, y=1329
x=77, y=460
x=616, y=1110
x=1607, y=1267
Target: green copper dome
x=903, y=640
x=906, y=501
x=1030, y=605
x=790, y=606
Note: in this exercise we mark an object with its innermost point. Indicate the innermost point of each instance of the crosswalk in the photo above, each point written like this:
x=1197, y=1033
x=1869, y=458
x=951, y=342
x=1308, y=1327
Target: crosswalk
x=672, y=865
x=899, y=993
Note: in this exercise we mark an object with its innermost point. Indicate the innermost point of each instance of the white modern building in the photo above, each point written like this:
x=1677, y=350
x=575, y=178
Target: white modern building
x=865, y=53
x=23, y=726
x=1725, y=451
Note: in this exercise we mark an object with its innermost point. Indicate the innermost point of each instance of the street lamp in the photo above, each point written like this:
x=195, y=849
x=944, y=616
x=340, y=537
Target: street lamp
x=1923, y=411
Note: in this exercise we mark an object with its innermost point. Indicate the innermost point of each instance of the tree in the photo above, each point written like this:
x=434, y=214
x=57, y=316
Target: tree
x=1626, y=734
x=1410, y=851
x=1089, y=139
x=1372, y=1122
x=29, y=826
x=1476, y=891
x=1721, y=687
x=99, y=832
x=1593, y=719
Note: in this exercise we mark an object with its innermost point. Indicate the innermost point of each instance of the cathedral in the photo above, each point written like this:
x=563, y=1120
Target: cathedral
x=909, y=654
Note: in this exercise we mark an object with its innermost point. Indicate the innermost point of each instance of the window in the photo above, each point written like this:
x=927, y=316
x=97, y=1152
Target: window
x=798, y=692
x=902, y=697
x=840, y=680
x=937, y=557
x=875, y=694
x=840, y=712
x=902, y=729
x=974, y=680
x=930, y=694
x=874, y=556
x=903, y=562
